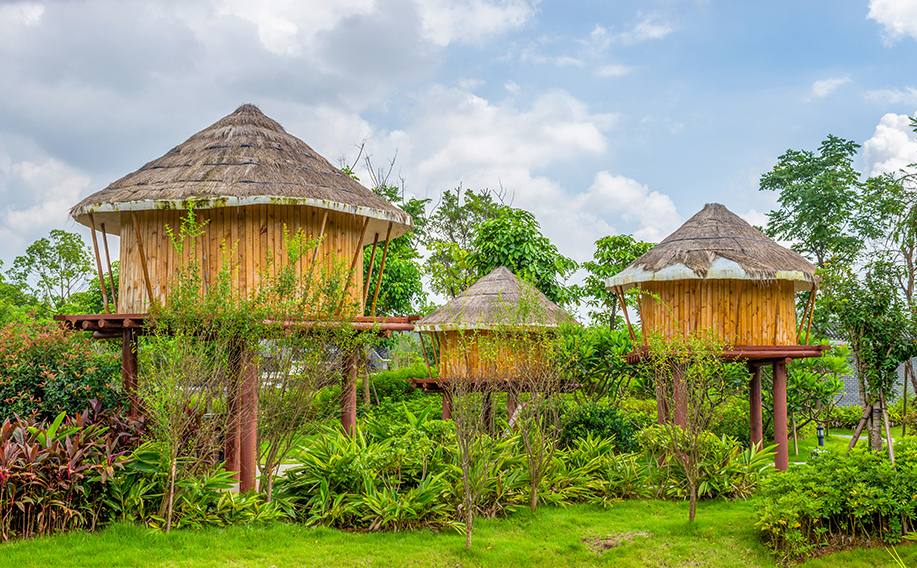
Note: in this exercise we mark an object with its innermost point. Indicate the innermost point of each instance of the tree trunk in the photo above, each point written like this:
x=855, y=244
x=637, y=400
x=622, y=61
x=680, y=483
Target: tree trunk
x=692, y=504
x=874, y=427
x=367, y=402
x=171, y=495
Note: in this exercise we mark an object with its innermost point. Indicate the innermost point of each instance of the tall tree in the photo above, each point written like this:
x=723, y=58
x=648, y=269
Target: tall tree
x=612, y=255
x=450, y=233
x=513, y=239
x=54, y=267
x=820, y=201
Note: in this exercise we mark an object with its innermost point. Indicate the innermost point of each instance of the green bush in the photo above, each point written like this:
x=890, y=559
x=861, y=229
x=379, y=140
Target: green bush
x=600, y=420
x=845, y=417
x=46, y=370
x=838, y=497
x=640, y=412
x=731, y=419
x=394, y=385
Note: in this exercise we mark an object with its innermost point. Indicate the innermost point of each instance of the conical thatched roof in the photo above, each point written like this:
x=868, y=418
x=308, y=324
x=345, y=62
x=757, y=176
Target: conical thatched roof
x=717, y=244
x=243, y=159
x=498, y=300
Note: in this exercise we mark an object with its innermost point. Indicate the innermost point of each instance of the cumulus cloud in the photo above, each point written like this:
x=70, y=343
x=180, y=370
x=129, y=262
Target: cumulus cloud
x=892, y=147
x=823, y=88
x=472, y=21
x=898, y=18
x=908, y=96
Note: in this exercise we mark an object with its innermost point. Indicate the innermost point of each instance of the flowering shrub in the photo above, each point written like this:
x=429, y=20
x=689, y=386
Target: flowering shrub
x=46, y=370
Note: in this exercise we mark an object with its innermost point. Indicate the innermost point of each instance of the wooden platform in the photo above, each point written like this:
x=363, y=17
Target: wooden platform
x=754, y=354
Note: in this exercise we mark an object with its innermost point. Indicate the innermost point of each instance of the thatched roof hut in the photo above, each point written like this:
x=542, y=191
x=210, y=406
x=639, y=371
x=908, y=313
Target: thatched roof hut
x=247, y=179
x=718, y=272
x=717, y=244
x=496, y=301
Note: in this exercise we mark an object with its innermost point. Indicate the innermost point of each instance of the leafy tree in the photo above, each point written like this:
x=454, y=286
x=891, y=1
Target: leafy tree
x=612, y=254
x=57, y=266
x=513, y=239
x=401, y=291
x=450, y=233
x=820, y=201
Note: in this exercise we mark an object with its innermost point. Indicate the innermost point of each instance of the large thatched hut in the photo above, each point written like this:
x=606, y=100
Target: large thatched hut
x=250, y=184
x=247, y=179
x=718, y=273
x=465, y=331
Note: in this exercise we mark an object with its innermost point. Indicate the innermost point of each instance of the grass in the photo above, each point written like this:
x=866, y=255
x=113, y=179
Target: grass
x=647, y=533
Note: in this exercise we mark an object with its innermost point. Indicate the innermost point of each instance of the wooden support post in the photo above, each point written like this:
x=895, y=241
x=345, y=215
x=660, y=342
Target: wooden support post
x=129, y=369
x=369, y=273
x=904, y=410
x=680, y=399
x=232, y=436
x=782, y=459
x=95, y=248
x=811, y=313
x=756, y=414
x=888, y=430
x=423, y=349
x=859, y=429
x=248, y=420
x=111, y=276
x=619, y=292
x=146, y=273
x=349, y=396
x=447, y=406
x=388, y=239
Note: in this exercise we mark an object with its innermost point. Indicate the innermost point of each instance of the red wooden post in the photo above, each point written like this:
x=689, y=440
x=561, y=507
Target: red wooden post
x=680, y=412
x=447, y=406
x=349, y=396
x=129, y=368
x=756, y=416
x=232, y=441
x=248, y=420
x=782, y=459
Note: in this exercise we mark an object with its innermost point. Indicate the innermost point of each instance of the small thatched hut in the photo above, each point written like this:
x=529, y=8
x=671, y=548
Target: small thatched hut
x=718, y=273
x=463, y=330
x=247, y=178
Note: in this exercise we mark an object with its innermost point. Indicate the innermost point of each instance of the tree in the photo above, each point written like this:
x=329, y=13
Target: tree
x=513, y=239
x=612, y=254
x=820, y=201
x=450, y=232
x=57, y=266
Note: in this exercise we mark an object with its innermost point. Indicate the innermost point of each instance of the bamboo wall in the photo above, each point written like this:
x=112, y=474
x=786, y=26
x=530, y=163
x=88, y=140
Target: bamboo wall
x=481, y=354
x=741, y=312
x=248, y=233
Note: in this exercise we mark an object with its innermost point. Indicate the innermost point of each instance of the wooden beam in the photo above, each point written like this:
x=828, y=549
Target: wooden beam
x=859, y=429
x=388, y=239
x=146, y=273
x=369, y=273
x=619, y=292
x=353, y=264
x=95, y=248
x=423, y=349
x=811, y=313
x=888, y=430
x=111, y=276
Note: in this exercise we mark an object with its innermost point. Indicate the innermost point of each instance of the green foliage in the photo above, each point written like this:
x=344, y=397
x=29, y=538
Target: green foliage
x=47, y=370
x=394, y=384
x=450, y=233
x=821, y=209
x=595, y=357
x=839, y=497
x=612, y=254
x=599, y=420
x=54, y=267
x=513, y=239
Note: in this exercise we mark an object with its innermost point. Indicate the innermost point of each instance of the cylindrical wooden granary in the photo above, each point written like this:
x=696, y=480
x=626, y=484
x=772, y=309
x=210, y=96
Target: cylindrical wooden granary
x=249, y=181
x=490, y=332
x=718, y=273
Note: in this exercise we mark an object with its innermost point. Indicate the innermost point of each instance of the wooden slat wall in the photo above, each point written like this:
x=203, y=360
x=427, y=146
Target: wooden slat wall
x=741, y=312
x=248, y=234
x=476, y=354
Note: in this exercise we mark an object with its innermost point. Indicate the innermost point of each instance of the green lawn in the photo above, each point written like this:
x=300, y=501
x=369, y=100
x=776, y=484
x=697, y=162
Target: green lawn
x=648, y=533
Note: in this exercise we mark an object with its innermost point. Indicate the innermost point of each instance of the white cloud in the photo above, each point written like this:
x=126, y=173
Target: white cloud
x=512, y=87
x=650, y=213
x=823, y=88
x=755, y=218
x=613, y=70
x=898, y=18
x=472, y=21
x=908, y=95
x=648, y=28
x=892, y=147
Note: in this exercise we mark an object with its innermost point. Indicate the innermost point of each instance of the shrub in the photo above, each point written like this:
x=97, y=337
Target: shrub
x=46, y=370
x=600, y=420
x=839, y=498
x=394, y=385
x=731, y=419
x=640, y=412
x=845, y=416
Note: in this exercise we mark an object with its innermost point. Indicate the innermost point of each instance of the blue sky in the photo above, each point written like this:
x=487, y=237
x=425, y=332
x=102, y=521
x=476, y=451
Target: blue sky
x=600, y=117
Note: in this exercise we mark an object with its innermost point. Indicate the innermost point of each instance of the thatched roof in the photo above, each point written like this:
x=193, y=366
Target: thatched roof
x=717, y=244
x=243, y=159
x=498, y=300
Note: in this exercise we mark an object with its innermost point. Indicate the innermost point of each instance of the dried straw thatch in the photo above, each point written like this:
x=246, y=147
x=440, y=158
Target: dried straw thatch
x=498, y=300
x=717, y=244
x=243, y=159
